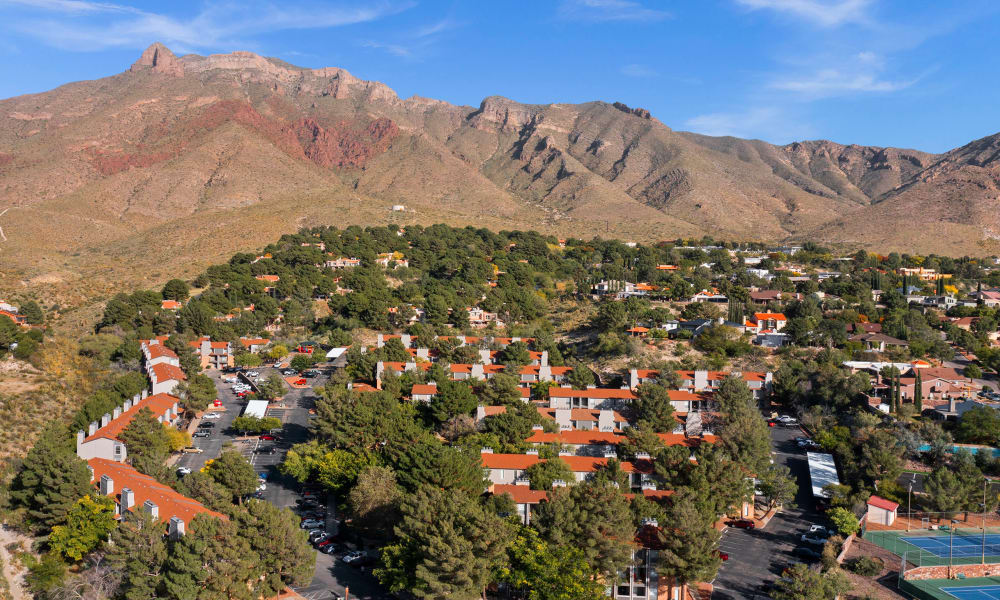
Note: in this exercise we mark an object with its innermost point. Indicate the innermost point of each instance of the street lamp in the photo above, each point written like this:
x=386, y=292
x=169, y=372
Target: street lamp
x=909, y=513
x=986, y=482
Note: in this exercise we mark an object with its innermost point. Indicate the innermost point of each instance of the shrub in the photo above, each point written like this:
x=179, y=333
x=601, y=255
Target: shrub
x=844, y=520
x=866, y=566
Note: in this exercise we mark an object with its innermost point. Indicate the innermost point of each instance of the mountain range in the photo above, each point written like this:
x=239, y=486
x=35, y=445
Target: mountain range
x=179, y=161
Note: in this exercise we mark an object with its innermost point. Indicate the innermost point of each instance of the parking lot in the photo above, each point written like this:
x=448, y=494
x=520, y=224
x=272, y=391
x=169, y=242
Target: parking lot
x=760, y=555
x=332, y=576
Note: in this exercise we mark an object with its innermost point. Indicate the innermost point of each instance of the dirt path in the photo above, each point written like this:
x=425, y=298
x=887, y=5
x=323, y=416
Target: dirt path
x=11, y=569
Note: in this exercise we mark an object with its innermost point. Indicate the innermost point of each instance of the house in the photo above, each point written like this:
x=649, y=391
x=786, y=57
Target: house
x=396, y=258
x=271, y=279
x=101, y=438
x=766, y=322
x=479, y=318
x=423, y=392
x=164, y=377
x=637, y=331
x=942, y=302
x=709, y=381
x=864, y=328
x=132, y=491
x=216, y=355
x=525, y=498
x=712, y=295
x=989, y=298
x=171, y=305
x=254, y=345
x=590, y=398
x=877, y=342
x=508, y=468
x=342, y=263
x=585, y=419
x=155, y=353
x=765, y=296
x=922, y=273
x=695, y=326
x=19, y=320
x=640, y=580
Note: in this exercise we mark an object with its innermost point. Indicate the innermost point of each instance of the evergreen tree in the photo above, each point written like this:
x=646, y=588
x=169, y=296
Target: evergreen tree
x=137, y=553
x=652, y=408
x=51, y=480
x=594, y=518
x=449, y=546
x=32, y=313
x=445, y=467
x=234, y=473
x=211, y=562
x=147, y=443
x=918, y=394
x=689, y=544
x=274, y=535
x=744, y=433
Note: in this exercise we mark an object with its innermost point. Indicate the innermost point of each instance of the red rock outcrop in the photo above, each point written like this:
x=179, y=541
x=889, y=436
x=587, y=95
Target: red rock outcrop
x=343, y=145
x=159, y=58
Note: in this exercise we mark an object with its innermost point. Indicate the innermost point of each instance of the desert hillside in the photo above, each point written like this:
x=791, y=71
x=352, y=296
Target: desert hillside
x=179, y=161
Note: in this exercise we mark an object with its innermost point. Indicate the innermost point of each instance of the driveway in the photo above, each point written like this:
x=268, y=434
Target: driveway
x=760, y=555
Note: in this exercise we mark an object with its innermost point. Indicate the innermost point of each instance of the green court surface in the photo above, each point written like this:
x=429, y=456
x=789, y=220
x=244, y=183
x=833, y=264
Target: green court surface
x=978, y=588
x=923, y=547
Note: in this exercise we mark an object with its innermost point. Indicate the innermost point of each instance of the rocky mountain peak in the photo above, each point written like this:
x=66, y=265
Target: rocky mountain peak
x=160, y=59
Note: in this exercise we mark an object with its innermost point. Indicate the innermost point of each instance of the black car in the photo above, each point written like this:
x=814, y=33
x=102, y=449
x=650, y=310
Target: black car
x=803, y=552
x=206, y=425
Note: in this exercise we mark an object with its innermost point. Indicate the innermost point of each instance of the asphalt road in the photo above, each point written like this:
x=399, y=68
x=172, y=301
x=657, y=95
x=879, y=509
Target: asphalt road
x=761, y=555
x=332, y=577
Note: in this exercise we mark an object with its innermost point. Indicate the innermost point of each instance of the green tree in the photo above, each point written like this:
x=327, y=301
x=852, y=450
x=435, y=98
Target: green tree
x=336, y=469
x=247, y=360
x=374, y=500
x=212, y=561
x=446, y=467
x=138, y=551
x=32, y=313
x=147, y=443
x=277, y=352
x=449, y=546
x=777, y=486
x=301, y=362
x=540, y=572
x=802, y=583
x=51, y=480
x=744, y=433
x=580, y=376
x=594, y=518
x=254, y=424
x=199, y=393
x=653, y=409
x=452, y=398
x=234, y=473
x=882, y=456
x=689, y=544
x=979, y=425
x=284, y=555
x=205, y=489
x=918, y=394
x=175, y=289
x=944, y=491
x=843, y=520
x=87, y=525
x=543, y=474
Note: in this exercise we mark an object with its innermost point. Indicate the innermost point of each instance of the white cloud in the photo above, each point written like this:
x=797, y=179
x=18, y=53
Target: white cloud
x=638, y=71
x=218, y=25
x=826, y=13
x=858, y=74
x=609, y=10
x=415, y=44
x=769, y=123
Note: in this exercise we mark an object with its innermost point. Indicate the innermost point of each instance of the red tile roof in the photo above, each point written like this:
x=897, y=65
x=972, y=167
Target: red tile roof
x=269, y=278
x=159, y=351
x=490, y=411
x=509, y=461
x=247, y=342
x=165, y=371
x=769, y=316
x=424, y=389
x=618, y=393
x=882, y=503
x=168, y=502
x=157, y=403
x=170, y=305
x=521, y=494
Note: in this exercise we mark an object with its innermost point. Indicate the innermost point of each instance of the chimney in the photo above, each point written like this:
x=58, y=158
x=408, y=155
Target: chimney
x=79, y=439
x=566, y=453
x=648, y=485
x=145, y=394
x=379, y=340
x=117, y=413
x=127, y=406
x=107, y=485
x=532, y=452
x=105, y=420
x=537, y=428
x=92, y=429
x=642, y=456
x=127, y=499
x=522, y=481
x=406, y=340
x=91, y=469
x=175, y=528
x=650, y=523
x=152, y=509
x=558, y=483
x=951, y=404
x=609, y=452
x=487, y=451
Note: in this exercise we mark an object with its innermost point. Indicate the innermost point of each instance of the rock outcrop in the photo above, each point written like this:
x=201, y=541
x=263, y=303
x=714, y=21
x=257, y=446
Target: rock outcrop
x=161, y=60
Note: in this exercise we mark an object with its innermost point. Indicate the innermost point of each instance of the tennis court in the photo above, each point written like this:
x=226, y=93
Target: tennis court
x=957, y=546
x=981, y=592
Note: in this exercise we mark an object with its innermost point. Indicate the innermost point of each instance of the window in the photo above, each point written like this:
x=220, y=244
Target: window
x=639, y=591
x=623, y=590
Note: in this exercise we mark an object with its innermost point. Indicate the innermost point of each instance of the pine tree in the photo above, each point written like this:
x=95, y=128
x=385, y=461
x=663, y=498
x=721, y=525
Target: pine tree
x=918, y=394
x=689, y=544
x=146, y=440
x=212, y=560
x=286, y=559
x=51, y=480
x=899, y=393
x=138, y=552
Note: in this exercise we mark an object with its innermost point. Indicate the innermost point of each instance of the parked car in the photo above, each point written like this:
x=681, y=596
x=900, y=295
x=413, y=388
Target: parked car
x=310, y=373
x=217, y=402
x=324, y=542
x=192, y=450
x=329, y=549
x=200, y=434
x=365, y=560
x=814, y=539
x=211, y=415
x=352, y=556
x=723, y=555
x=315, y=534
x=310, y=524
x=183, y=471
x=267, y=437
x=252, y=374
x=741, y=524
x=787, y=419
x=206, y=425
x=288, y=372
x=819, y=530
x=803, y=552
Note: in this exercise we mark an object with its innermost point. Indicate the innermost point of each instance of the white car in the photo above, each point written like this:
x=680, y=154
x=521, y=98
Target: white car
x=183, y=471
x=817, y=541
x=212, y=416
x=819, y=530
x=787, y=420
x=262, y=487
x=311, y=524
x=352, y=556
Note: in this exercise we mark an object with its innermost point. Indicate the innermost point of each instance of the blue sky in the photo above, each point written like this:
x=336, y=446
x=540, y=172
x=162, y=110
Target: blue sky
x=912, y=73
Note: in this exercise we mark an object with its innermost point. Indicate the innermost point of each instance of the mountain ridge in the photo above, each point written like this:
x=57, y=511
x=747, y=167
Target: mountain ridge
x=176, y=140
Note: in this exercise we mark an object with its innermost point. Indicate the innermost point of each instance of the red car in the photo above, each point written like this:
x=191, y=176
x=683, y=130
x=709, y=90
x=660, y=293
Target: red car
x=723, y=555
x=267, y=437
x=741, y=524
x=217, y=402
